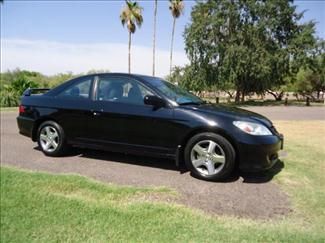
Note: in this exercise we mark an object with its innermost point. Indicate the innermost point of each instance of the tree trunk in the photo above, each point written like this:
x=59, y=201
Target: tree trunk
x=280, y=96
x=237, y=98
x=154, y=39
x=130, y=51
x=277, y=96
x=243, y=96
x=171, y=47
x=229, y=94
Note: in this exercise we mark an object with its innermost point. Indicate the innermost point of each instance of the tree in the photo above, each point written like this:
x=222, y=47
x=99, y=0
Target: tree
x=154, y=38
x=10, y=76
x=251, y=44
x=60, y=78
x=131, y=16
x=318, y=68
x=94, y=71
x=176, y=75
x=308, y=81
x=21, y=84
x=176, y=8
x=18, y=82
x=8, y=97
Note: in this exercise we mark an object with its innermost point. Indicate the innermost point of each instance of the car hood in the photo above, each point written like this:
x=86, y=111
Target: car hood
x=233, y=112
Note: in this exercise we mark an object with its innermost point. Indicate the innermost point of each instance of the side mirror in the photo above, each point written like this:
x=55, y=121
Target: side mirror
x=155, y=101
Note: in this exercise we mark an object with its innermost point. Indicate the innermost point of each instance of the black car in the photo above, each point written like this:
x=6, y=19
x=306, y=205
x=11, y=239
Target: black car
x=146, y=115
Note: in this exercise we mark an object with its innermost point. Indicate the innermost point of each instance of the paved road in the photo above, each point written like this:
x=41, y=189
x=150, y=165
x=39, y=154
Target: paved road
x=290, y=112
x=243, y=195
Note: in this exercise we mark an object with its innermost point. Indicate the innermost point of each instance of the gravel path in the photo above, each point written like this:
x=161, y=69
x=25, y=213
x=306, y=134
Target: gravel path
x=242, y=196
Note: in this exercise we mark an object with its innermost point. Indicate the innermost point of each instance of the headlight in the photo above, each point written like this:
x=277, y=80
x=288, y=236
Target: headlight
x=252, y=128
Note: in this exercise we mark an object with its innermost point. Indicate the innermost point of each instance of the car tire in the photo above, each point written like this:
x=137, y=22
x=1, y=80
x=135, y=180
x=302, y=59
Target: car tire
x=51, y=139
x=209, y=156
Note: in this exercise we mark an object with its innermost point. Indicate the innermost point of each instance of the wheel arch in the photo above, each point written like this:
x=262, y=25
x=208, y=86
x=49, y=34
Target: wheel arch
x=196, y=131
x=37, y=123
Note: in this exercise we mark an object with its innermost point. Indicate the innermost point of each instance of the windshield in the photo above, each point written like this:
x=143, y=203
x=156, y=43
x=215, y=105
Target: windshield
x=173, y=92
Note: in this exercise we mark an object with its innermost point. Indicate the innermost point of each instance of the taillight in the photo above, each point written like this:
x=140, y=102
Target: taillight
x=22, y=109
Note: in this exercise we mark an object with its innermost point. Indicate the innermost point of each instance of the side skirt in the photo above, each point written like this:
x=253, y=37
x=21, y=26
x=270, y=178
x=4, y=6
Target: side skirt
x=127, y=148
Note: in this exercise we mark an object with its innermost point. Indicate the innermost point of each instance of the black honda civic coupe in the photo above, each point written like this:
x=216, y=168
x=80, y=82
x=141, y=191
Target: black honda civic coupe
x=145, y=115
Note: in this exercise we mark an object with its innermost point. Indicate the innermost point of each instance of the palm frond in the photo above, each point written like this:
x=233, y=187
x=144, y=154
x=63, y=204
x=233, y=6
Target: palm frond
x=131, y=15
x=176, y=7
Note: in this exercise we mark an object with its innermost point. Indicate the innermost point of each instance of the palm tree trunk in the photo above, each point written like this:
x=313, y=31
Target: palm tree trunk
x=154, y=39
x=129, y=51
x=171, y=47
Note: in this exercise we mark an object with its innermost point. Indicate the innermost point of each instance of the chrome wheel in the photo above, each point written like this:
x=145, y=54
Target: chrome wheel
x=208, y=157
x=49, y=138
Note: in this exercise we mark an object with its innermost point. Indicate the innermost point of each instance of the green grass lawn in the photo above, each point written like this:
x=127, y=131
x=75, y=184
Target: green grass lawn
x=53, y=208
x=9, y=109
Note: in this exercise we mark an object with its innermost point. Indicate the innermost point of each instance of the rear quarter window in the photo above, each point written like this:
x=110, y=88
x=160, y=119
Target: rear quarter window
x=80, y=89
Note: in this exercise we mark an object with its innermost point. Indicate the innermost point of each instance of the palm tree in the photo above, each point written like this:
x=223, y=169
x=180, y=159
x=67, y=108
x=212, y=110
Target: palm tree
x=154, y=39
x=131, y=15
x=176, y=8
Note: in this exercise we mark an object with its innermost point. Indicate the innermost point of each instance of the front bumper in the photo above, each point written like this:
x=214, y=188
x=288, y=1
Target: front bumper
x=260, y=156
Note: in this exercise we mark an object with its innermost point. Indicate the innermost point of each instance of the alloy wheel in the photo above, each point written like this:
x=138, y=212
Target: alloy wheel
x=49, y=138
x=208, y=157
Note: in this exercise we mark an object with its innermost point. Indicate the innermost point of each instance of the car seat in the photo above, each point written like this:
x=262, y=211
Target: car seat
x=114, y=91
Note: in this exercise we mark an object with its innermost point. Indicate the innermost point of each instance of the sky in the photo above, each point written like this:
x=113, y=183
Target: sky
x=60, y=36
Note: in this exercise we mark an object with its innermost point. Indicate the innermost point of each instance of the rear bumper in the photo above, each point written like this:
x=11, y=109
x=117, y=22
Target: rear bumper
x=25, y=126
x=262, y=156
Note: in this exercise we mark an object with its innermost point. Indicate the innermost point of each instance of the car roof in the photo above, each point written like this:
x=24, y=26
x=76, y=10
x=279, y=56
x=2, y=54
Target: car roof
x=146, y=79
x=141, y=76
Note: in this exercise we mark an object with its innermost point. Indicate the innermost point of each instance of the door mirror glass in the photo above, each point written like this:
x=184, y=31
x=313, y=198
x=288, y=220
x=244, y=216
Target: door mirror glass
x=154, y=101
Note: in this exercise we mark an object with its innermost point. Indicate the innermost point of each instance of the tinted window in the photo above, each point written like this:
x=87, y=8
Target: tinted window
x=80, y=89
x=123, y=90
x=173, y=92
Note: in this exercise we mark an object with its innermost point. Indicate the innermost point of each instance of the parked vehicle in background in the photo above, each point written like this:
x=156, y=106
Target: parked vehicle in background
x=146, y=115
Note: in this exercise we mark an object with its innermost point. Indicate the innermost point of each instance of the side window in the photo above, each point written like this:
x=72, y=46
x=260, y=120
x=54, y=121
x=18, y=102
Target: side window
x=144, y=91
x=80, y=89
x=122, y=90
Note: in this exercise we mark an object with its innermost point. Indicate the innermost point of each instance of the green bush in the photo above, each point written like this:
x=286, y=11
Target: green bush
x=10, y=93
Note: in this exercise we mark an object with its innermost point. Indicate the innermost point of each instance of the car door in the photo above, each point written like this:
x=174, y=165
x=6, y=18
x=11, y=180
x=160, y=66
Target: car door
x=122, y=120
x=73, y=104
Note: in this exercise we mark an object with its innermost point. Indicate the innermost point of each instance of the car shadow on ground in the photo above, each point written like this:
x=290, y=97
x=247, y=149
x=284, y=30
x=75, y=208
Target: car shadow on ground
x=169, y=164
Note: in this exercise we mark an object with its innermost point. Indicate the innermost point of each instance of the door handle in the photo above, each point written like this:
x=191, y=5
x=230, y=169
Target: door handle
x=96, y=113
